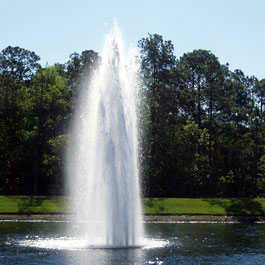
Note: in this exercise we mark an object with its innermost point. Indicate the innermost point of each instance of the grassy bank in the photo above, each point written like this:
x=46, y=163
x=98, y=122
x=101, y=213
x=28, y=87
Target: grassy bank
x=58, y=204
x=36, y=204
x=204, y=206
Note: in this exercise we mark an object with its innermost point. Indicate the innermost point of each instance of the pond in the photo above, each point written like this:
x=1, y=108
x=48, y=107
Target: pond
x=45, y=243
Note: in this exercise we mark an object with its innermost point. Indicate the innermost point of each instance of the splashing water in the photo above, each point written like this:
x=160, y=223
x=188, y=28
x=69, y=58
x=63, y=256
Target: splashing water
x=103, y=159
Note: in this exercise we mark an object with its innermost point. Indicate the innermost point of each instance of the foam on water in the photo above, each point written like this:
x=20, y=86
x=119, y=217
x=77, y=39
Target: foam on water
x=64, y=243
x=103, y=158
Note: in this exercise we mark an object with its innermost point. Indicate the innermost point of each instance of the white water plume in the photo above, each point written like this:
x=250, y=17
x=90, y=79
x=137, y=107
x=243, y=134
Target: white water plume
x=103, y=157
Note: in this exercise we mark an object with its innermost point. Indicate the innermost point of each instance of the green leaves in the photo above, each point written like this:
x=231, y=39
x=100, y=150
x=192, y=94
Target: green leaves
x=205, y=124
x=202, y=126
x=18, y=63
x=157, y=65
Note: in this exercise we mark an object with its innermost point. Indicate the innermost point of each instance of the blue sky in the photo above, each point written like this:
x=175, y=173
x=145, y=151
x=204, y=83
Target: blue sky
x=234, y=30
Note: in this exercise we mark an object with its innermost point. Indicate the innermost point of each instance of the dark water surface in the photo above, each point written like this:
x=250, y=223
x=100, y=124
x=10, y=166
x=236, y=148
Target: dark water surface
x=33, y=243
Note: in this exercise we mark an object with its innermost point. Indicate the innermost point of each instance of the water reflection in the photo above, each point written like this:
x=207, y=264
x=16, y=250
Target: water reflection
x=106, y=256
x=172, y=244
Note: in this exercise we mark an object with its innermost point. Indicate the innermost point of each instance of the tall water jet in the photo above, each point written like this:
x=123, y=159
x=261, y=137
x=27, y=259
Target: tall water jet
x=103, y=157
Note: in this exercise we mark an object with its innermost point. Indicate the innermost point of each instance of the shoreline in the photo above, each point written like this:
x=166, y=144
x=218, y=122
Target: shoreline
x=147, y=218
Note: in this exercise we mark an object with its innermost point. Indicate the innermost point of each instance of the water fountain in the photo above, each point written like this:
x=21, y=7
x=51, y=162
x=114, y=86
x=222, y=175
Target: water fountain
x=104, y=185
x=103, y=157
x=102, y=164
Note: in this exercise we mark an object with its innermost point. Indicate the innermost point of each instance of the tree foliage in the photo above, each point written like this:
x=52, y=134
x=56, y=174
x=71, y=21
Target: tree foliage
x=210, y=137
x=201, y=125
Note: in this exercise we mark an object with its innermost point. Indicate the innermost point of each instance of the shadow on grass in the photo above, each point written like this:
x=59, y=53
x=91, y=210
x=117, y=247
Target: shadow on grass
x=30, y=204
x=156, y=204
x=240, y=208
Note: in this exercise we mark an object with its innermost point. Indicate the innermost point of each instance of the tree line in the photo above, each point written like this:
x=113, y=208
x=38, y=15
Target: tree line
x=201, y=124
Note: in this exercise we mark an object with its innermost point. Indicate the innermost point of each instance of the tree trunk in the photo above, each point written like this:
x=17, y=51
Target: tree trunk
x=212, y=180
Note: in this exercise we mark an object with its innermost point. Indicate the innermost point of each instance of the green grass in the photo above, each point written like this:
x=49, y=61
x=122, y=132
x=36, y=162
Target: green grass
x=58, y=204
x=204, y=206
x=37, y=204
